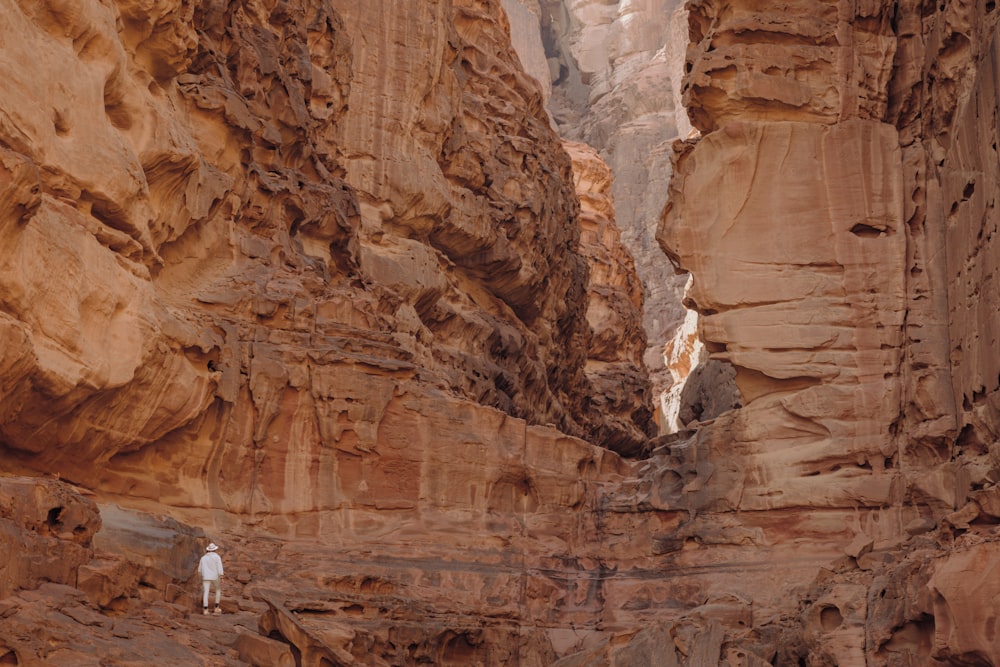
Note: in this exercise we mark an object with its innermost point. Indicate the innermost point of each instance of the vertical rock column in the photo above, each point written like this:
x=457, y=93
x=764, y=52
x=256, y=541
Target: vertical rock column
x=788, y=214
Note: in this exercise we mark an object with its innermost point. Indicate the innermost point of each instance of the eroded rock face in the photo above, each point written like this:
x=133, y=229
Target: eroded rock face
x=614, y=72
x=615, y=361
x=840, y=290
x=313, y=281
x=815, y=348
x=311, y=274
x=45, y=532
x=228, y=225
x=799, y=269
x=798, y=277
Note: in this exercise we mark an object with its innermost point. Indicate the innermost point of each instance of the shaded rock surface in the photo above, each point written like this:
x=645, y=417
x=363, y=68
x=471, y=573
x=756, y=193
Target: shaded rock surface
x=321, y=284
x=612, y=71
x=614, y=311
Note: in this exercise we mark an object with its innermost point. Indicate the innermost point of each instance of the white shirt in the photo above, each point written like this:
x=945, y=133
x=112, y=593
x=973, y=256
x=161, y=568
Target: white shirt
x=210, y=566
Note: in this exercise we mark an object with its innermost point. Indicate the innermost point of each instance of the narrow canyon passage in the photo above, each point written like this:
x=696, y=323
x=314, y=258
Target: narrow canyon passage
x=380, y=299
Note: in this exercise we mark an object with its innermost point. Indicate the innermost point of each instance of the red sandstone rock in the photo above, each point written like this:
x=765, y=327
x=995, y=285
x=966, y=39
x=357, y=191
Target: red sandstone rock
x=827, y=73
x=308, y=279
x=45, y=532
x=615, y=366
x=259, y=271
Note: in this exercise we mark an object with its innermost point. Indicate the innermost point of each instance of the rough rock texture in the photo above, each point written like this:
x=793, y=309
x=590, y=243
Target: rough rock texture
x=45, y=533
x=703, y=388
x=311, y=274
x=841, y=278
x=215, y=210
x=614, y=70
x=812, y=318
x=319, y=283
x=615, y=359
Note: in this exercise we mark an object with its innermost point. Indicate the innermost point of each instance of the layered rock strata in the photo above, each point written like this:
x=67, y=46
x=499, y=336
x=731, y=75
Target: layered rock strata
x=313, y=283
x=311, y=275
x=215, y=220
x=841, y=279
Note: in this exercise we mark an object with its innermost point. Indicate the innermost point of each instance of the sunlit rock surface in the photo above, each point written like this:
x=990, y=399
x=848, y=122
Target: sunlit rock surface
x=312, y=274
x=321, y=284
x=840, y=277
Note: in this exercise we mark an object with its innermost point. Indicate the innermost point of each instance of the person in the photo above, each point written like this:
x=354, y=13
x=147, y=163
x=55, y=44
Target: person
x=210, y=568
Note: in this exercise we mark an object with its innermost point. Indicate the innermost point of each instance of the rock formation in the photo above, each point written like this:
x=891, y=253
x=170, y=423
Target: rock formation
x=615, y=368
x=216, y=220
x=837, y=279
x=703, y=388
x=614, y=71
x=306, y=276
x=321, y=283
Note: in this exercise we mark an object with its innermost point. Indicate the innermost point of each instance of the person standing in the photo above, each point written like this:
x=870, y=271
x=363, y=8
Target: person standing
x=210, y=568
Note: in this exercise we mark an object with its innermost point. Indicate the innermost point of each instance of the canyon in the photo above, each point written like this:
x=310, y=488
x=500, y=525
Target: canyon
x=381, y=299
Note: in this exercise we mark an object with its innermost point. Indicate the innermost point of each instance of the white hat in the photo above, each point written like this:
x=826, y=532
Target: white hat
x=211, y=547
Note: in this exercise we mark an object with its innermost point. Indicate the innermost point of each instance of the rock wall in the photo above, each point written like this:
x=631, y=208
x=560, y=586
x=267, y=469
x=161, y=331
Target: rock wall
x=614, y=71
x=841, y=278
x=615, y=363
x=309, y=278
x=320, y=283
x=219, y=213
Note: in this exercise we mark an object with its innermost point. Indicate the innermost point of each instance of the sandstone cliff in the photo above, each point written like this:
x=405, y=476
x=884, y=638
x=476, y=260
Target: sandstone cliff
x=842, y=280
x=320, y=282
x=308, y=277
x=213, y=219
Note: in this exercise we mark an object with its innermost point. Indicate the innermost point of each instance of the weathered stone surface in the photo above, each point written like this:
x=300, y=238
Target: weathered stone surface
x=842, y=353
x=45, y=532
x=964, y=586
x=798, y=61
x=814, y=346
x=236, y=209
x=261, y=651
x=320, y=282
x=648, y=646
x=614, y=70
x=311, y=272
x=615, y=365
x=703, y=388
x=162, y=551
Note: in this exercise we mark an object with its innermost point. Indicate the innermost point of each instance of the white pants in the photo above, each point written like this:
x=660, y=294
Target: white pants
x=206, y=584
